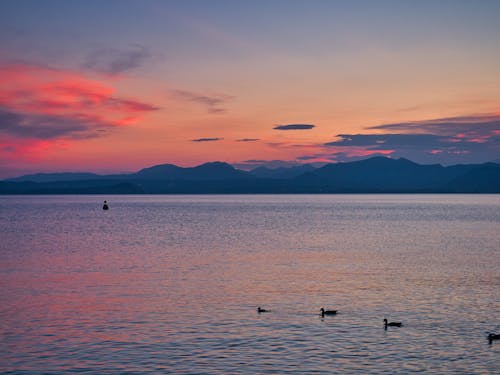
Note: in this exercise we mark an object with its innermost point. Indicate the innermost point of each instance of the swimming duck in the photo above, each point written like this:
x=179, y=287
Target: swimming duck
x=105, y=206
x=493, y=336
x=327, y=312
x=261, y=310
x=392, y=324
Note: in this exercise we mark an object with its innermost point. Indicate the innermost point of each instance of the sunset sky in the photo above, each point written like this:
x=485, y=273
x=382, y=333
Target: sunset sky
x=115, y=86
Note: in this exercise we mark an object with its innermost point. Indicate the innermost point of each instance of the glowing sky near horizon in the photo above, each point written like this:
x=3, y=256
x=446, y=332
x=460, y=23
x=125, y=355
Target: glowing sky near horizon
x=113, y=86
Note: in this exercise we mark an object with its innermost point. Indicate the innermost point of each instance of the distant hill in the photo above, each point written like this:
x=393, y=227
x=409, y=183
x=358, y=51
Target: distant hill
x=380, y=174
x=290, y=172
x=50, y=177
x=373, y=175
x=160, y=172
x=207, y=171
x=70, y=187
x=484, y=178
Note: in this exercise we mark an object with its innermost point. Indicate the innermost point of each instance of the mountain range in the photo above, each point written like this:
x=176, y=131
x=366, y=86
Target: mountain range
x=373, y=175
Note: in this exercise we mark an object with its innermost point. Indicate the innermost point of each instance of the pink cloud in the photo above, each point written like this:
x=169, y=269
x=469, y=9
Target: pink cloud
x=35, y=90
x=40, y=107
x=30, y=150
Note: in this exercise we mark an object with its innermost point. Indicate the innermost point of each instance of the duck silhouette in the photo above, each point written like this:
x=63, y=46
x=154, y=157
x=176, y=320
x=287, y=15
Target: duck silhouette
x=327, y=312
x=392, y=324
x=105, y=206
x=493, y=336
x=261, y=310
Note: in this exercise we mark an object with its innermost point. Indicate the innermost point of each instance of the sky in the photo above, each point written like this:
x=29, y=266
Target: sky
x=110, y=86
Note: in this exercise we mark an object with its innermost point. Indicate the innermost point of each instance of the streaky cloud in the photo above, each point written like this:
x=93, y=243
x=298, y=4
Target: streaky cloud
x=113, y=61
x=213, y=103
x=443, y=140
x=309, y=157
x=207, y=139
x=254, y=163
x=39, y=126
x=36, y=90
x=294, y=127
x=248, y=140
x=357, y=154
x=473, y=125
x=388, y=141
x=43, y=108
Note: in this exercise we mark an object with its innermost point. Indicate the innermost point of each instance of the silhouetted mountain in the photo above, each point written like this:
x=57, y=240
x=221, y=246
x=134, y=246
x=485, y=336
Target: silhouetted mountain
x=70, y=187
x=377, y=174
x=374, y=175
x=290, y=172
x=484, y=178
x=48, y=177
x=158, y=172
x=384, y=175
x=207, y=171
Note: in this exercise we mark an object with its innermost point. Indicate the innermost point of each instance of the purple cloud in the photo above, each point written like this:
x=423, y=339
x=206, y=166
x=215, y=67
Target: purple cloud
x=254, y=163
x=212, y=103
x=310, y=157
x=112, y=61
x=37, y=126
x=207, y=139
x=294, y=127
x=469, y=139
x=468, y=127
x=389, y=141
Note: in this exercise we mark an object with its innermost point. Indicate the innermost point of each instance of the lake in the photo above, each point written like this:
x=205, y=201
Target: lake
x=171, y=284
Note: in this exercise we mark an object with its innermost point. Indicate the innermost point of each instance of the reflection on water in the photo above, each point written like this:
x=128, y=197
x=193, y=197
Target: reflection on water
x=171, y=284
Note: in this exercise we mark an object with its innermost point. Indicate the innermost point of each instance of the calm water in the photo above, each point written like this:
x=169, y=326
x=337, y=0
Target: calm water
x=170, y=284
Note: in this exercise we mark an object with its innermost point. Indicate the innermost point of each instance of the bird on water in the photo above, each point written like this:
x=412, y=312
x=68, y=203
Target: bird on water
x=105, y=206
x=261, y=310
x=392, y=324
x=327, y=312
x=493, y=336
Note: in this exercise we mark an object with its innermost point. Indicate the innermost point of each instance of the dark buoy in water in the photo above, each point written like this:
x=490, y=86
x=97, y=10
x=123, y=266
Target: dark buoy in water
x=105, y=206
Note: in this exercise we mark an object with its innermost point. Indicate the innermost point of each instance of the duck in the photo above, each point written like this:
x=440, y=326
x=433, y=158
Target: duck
x=493, y=336
x=392, y=324
x=261, y=310
x=327, y=312
x=105, y=206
